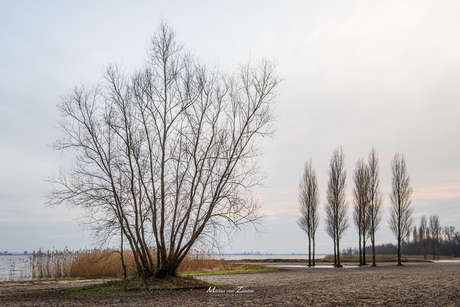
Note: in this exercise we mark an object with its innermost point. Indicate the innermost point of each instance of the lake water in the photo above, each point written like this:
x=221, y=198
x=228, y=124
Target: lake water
x=17, y=267
x=14, y=267
x=266, y=256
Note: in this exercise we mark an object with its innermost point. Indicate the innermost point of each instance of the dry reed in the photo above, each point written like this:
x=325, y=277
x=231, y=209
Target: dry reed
x=204, y=263
x=97, y=263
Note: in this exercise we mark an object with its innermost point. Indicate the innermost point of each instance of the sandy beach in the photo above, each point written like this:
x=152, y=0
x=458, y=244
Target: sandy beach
x=415, y=284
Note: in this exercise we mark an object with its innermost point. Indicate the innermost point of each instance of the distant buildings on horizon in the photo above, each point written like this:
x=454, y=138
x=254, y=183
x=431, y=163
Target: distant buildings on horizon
x=10, y=254
x=259, y=253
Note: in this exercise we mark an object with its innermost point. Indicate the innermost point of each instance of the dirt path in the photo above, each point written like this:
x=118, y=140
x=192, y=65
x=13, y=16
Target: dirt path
x=416, y=284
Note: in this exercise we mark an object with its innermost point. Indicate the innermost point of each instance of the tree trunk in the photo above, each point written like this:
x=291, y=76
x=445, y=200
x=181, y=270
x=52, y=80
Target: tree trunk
x=373, y=250
x=364, y=253
x=437, y=246
x=359, y=248
x=424, y=248
x=122, y=258
x=338, y=254
x=335, y=253
x=167, y=269
x=399, y=252
x=314, y=250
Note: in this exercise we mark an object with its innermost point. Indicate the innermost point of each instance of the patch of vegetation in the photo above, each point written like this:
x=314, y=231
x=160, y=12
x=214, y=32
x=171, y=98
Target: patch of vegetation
x=103, y=289
x=140, y=286
x=35, y=281
x=243, y=269
x=106, y=263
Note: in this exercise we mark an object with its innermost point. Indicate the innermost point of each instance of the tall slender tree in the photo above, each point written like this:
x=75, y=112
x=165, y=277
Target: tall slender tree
x=449, y=232
x=401, y=210
x=422, y=235
x=427, y=238
x=375, y=198
x=361, y=206
x=309, y=203
x=416, y=240
x=435, y=230
x=336, y=204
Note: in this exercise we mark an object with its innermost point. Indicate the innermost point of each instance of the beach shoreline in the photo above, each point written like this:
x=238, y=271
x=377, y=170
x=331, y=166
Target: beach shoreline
x=418, y=284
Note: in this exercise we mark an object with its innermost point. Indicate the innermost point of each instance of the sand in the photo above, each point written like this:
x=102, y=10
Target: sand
x=414, y=284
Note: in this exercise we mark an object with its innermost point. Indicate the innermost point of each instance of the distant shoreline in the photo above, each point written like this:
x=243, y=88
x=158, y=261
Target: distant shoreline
x=266, y=256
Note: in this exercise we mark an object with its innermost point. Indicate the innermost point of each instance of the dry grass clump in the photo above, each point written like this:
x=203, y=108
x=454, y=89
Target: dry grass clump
x=50, y=263
x=91, y=263
x=203, y=263
x=97, y=263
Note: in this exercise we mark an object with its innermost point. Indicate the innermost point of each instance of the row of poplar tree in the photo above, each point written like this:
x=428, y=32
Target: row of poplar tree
x=367, y=203
x=429, y=239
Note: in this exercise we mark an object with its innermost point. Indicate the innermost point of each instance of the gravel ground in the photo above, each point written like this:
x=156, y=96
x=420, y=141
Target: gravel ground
x=415, y=284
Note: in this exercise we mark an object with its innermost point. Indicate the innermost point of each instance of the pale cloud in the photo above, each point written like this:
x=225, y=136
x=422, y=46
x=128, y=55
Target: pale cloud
x=64, y=236
x=419, y=214
x=435, y=193
x=435, y=136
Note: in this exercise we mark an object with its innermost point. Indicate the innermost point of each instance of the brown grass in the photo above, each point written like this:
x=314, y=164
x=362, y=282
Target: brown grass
x=204, y=263
x=97, y=263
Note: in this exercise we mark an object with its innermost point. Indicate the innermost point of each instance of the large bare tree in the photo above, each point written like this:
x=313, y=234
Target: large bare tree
x=309, y=203
x=401, y=210
x=375, y=198
x=167, y=154
x=361, y=212
x=336, y=204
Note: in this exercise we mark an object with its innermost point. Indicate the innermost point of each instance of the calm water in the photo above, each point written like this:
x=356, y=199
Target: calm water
x=17, y=267
x=14, y=267
x=264, y=256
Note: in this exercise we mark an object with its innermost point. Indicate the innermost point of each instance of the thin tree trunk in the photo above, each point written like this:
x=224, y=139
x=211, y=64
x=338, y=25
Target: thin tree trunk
x=338, y=254
x=359, y=249
x=437, y=246
x=424, y=248
x=373, y=250
x=314, y=250
x=364, y=253
x=335, y=253
x=121, y=256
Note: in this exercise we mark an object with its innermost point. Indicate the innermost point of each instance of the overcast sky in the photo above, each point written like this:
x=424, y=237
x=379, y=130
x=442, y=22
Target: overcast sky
x=356, y=74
